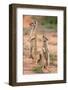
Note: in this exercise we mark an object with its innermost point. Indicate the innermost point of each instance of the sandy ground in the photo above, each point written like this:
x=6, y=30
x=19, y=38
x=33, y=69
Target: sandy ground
x=30, y=63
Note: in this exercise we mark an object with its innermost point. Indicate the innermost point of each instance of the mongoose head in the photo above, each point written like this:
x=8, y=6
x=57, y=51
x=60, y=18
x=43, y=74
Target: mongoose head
x=33, y=24
x=45, y=38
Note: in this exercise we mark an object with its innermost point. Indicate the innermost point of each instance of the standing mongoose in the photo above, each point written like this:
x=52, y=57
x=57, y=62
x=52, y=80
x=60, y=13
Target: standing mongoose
x=32, y=38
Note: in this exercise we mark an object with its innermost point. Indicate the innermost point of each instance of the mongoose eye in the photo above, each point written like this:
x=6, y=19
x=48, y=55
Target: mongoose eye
x=31, y=24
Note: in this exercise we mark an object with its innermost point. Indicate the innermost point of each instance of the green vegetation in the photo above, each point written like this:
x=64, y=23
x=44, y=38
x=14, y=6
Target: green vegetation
x=37, y=69
x=49, y=22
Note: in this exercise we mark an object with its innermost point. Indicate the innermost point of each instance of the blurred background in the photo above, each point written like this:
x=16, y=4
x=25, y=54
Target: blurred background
x=49, y=22
x=46, y=25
